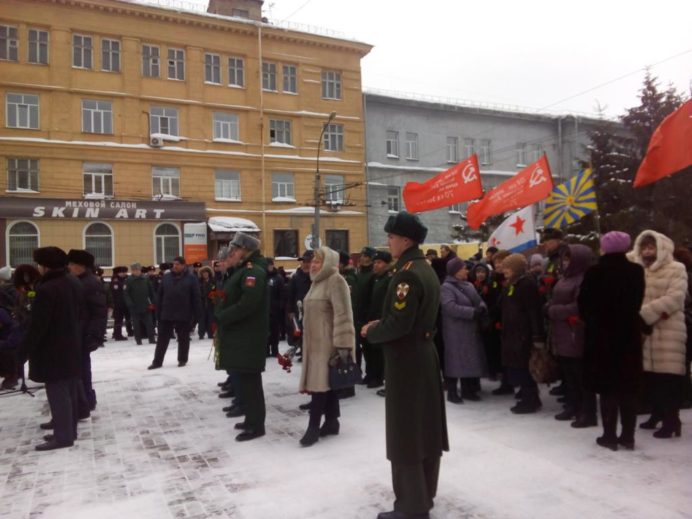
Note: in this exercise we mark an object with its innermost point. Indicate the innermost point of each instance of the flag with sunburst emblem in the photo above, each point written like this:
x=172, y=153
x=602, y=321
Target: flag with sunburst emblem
x=570, y=201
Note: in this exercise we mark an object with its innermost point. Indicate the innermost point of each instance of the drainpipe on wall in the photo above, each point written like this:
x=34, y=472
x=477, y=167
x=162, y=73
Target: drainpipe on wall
x=367, y=170
x=264, y=237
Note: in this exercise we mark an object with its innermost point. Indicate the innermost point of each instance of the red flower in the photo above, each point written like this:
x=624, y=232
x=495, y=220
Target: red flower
x=548, y=281
x=216, y=295
x=541, y=290
x=498, y=325
x=573, y=320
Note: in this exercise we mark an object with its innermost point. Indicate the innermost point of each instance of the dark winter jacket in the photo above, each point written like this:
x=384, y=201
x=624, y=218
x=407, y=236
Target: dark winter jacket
x=609, y=301
x=552, y=273
x=53, y=341
x=522, y=321
x=380, y=285
x=276, y=298
x=178, y=298
x=139, y=294
x=298, y=287
x=566, y=329
x=361, y=295
x=95, y=312
x=117, y=293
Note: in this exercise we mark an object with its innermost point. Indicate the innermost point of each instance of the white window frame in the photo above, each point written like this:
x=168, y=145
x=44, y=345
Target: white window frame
x=290, y=79
x=285, y=189
x=176, y=64
x=38, y=46
x=112, y=238
x=486, y=152
x=469, y=147
x=162, y=113
x=236, y=72
x=535, y=153
x=110, y=58
x=163, y=237
x=96, y=172
x=8, y=236
x=331, y=85
x=31, y=173
x=101, y=115
x=455, y=208
x=393, y=199
x=269, y=76
x=151, y=61
x=225, y=127
x=9, y=44
x=392, y=144
x=521, y=154
x=334, y=189
x=452, y=150
x=84, y=51
x=165, y=183
x=212, y=68
x=29, y=108
x=227, y=189
x=280, y=131
x=411, y=146
x=334, y=137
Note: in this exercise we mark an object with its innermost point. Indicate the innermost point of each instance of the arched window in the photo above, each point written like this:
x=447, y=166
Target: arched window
x=167, y=238
x=98, y=239
x=22, y=239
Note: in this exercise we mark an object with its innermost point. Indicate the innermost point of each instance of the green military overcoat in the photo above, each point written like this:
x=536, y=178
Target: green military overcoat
x=243, y=318
x=416, y=423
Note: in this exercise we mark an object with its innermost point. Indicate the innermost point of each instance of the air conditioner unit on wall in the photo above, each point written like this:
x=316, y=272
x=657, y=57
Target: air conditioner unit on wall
x=155, y=142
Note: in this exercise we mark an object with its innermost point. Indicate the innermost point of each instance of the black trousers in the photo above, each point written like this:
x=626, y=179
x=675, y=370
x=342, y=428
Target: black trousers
x=522, y=377
x=665, y=393
x=327, y=404
x=415, y=485
x=63, y=401
x=182, y=330
x=140, y=319
x=252, y=399
x=581, y=401
x=624, y=404
x=120, y=314
x=274, y=332
x=205, y=323
x=493, y=351
x=87, y=397
x=374, y=361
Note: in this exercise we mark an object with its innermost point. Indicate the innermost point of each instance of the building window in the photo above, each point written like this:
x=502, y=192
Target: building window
x=269, y=76
x=452, y=150
x=22, y=174
x=280, y=131
x=337, y=240
x=392, y=145
x=331, y=84
x=150, y=61
x=22, y=238
x=236, y=72
x=176, y=64
x=285, y=244
x=212, y=68
x=98, y=239
x=411, y=146
x=97, y=116
x=38, y=46
x=486, y=158
x=334, y=189
x=334, y=137
x=469, y=148
x=22, y=111
x=167, y=238
x=81, y=51
x=393, y=198
x=290, y=79
x=535, y=153
x=166, y=183
x=8, y=43
x=455, y=209
x=225, y=127
x=240, y=13
x=164, y=121
x=110, y=55
x=521, y=154
x=227, y=185
x=282, y=187
x=98, y=180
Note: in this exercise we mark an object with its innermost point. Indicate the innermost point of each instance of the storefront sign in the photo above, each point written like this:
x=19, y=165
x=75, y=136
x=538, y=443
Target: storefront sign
x=100, y=209
x=195, y=242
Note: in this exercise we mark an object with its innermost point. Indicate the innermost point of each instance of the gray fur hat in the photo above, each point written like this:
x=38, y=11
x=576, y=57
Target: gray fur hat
x=222, y=254
x=245, y=241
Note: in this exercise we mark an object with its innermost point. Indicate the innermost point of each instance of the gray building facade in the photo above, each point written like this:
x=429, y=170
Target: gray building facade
x=411, y=140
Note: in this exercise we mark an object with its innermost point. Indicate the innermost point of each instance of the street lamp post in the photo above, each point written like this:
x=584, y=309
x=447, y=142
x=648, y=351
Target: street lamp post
x=318, y=198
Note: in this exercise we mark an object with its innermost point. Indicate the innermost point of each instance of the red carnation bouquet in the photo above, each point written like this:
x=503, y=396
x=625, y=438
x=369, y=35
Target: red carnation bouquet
x=217, y=295
x=286, y=359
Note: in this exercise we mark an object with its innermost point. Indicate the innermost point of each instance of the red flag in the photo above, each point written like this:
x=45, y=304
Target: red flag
x=459, y=183
x=670, y=149
x=530, y=185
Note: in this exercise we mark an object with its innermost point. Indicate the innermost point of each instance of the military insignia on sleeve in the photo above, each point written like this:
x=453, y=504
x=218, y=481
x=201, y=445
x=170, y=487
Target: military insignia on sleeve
x=250, y=281
x=402, y=291
x=400, y=305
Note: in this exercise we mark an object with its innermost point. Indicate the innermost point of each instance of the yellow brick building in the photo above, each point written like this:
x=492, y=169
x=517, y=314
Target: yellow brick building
x=124, y=122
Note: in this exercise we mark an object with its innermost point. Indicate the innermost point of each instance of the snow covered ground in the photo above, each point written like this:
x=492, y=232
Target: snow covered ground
x=158, y=446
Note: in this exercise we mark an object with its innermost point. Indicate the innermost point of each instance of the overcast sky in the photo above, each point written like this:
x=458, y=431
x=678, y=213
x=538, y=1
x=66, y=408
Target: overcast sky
x=530, y=53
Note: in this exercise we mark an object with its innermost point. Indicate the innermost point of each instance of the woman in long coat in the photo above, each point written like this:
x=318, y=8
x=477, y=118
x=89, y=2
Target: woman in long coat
x=328, y=332
x=462, y=311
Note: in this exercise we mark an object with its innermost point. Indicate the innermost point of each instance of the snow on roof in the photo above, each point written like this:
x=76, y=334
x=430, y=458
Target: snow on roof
x=231, y=224
x=379, y=165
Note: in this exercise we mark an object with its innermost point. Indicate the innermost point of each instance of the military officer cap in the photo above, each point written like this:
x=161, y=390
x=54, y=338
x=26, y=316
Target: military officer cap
x=407, y=225
x=80, y=257
x=551, y=234
x=245, y=241
x=368, y=251
x=382, y=255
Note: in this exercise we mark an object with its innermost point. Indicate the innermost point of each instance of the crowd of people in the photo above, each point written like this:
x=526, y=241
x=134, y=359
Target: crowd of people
x=616, y=324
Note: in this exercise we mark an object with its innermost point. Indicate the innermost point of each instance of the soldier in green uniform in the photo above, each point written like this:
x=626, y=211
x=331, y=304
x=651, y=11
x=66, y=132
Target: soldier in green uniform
x=382, y=274
x=243, y=321
x=415, y=414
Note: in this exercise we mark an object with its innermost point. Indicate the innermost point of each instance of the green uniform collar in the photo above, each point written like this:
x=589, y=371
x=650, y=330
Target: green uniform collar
x=410, y=254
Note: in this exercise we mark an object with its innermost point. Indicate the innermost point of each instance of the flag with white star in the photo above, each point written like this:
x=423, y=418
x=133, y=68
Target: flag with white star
x=516, y=233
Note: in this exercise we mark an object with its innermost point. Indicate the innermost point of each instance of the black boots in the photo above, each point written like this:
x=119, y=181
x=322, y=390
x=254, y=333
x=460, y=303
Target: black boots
x=607, y=442
x=453, y=396
x=527, y=406
x=330, y=427
x=311, y=436
x=651, y=423
x=671, y=426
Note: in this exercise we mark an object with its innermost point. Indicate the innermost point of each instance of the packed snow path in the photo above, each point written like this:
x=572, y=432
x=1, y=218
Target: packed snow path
x=158, y=446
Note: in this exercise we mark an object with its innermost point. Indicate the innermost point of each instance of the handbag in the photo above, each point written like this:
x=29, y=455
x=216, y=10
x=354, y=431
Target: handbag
x=343, y=374
x=543, y=366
